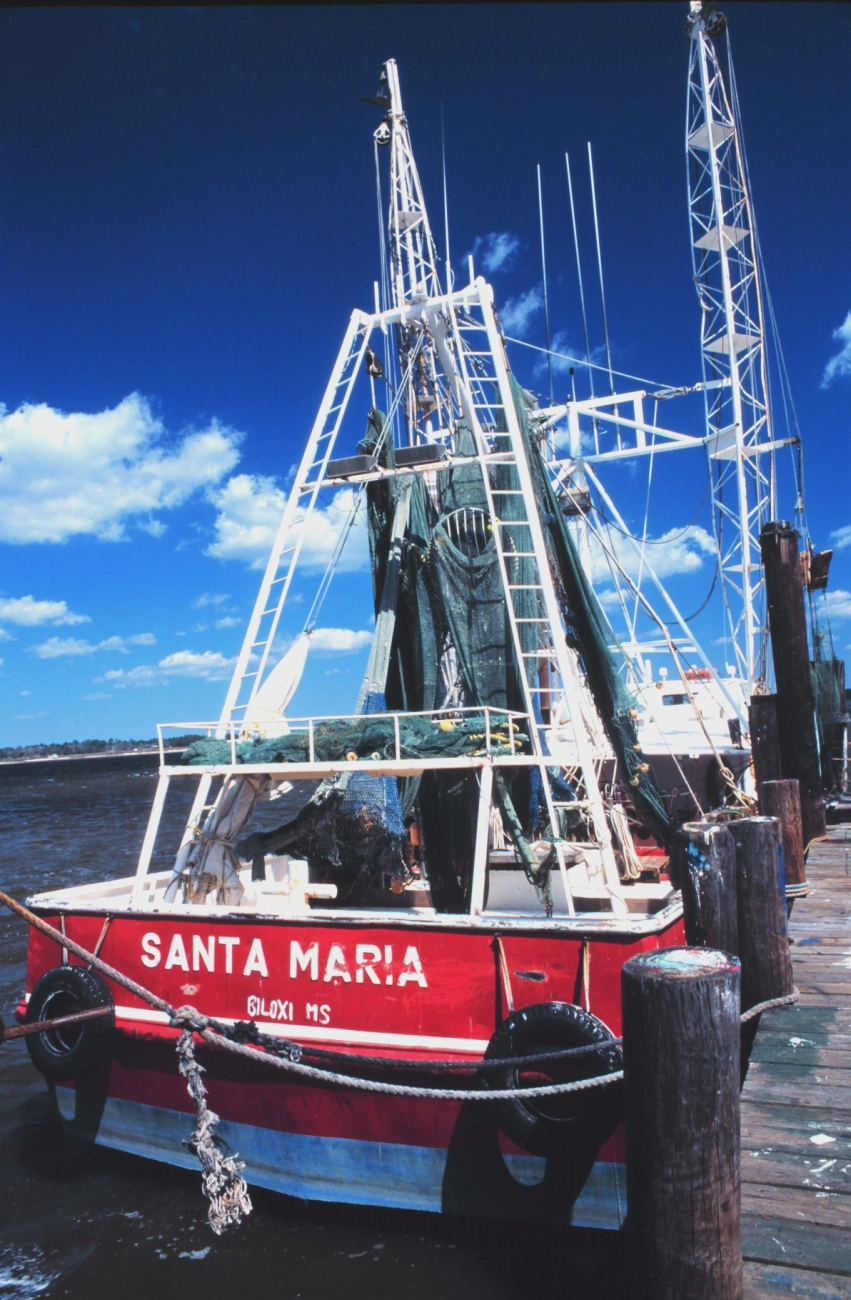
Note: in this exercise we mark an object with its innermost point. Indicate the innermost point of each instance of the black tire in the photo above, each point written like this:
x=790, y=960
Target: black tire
x=67, y=1050
x=563, y=1122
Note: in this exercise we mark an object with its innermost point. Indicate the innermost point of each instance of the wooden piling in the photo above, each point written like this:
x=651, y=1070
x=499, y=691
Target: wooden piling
x=781, y=799
x=705, y=855
x=761, y=903
x=796, y=729
x=681, y=1098
x=765, y=744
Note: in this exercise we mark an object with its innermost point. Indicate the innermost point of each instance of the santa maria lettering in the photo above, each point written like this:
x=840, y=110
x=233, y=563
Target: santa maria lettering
x=369, y=964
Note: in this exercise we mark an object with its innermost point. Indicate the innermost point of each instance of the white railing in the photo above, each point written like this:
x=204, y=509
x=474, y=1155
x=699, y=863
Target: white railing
x=236, y=733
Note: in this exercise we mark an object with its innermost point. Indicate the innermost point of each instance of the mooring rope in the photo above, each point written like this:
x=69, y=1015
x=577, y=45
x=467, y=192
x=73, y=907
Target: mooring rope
x=786, y=1001
x=188, y=1016
x=221, y=1176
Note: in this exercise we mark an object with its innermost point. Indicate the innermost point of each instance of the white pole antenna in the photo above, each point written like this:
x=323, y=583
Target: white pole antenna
x=449, y=276
x=579, y=277
x=546, y=300
x=600, y=269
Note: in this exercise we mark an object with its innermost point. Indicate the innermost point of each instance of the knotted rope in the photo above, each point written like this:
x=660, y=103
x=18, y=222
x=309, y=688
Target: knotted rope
x=221, y=1176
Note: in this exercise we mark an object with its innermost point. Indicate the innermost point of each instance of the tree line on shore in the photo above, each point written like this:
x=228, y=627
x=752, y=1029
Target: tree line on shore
x=69, y=748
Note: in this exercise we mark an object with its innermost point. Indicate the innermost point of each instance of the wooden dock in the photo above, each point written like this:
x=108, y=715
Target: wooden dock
x=796, y=1104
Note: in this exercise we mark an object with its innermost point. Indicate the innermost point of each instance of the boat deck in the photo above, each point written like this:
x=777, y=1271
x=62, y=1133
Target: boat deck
x=796, y=1104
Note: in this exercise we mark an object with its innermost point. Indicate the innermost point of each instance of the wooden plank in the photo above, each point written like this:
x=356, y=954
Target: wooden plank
x=796, y=1192
x=804, y=1053
x=763, y=1122
x=772, y=1240
x=827, y=1171
x=792, y=1072
x=770, y=1282
x=799, y=1204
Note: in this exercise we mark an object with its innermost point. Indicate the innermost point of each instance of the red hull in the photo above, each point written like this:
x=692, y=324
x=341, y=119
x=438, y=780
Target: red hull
x=413, y=990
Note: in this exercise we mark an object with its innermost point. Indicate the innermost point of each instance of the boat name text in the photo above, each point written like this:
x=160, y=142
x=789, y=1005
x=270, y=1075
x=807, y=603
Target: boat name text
x=368, y=963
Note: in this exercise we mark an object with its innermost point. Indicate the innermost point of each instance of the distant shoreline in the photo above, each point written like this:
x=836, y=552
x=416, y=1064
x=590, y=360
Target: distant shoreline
x=73, y=758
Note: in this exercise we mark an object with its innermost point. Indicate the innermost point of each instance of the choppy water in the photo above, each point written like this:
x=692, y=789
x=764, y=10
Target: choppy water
x=82, y=1221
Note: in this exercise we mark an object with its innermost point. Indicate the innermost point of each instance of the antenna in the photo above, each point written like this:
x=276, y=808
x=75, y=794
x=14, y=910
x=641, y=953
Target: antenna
x=579, y=277
x=600, y=269
x=546, y=301
x=449, y=276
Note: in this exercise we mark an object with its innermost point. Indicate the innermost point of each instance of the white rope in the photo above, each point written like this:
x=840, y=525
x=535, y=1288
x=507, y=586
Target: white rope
x=188, y=1017
x=221, y=1176
x=786, y=1001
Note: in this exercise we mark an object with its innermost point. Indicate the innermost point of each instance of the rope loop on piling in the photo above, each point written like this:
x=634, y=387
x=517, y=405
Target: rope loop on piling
x=770, y=1004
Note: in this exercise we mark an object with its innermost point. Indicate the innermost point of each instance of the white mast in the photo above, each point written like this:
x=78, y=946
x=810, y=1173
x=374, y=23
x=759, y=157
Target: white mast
x=724, y=259
x=413, y=271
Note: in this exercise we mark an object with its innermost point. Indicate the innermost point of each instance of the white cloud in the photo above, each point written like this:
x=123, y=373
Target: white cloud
x=674, y=552
x=841, y=363
x=188, y=663
x=27, y=612
x=206, y=664
x=496, y=250
x=229, y=621
x=841, y=537
x=57, y=647
x=5, y=636
x=249, y=512
x=516, y=315
x=155, y=527
x=98, y=695
x=141, y=675
x=838, y=603
x=564, y=353
x=63, y=476
x=338, y=640
x=210, y=598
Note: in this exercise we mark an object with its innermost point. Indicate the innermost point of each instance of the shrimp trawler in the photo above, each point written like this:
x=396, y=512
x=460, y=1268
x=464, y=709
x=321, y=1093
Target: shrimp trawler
x=450, y=902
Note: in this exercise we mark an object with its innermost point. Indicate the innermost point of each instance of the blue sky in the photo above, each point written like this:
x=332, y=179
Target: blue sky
x=188, y=217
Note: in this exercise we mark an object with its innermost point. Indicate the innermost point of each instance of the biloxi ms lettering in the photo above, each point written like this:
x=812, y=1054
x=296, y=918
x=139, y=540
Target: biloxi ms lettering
x=360, y=963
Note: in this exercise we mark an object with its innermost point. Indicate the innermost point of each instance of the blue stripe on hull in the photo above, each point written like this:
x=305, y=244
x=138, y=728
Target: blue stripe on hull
x=481, y=1182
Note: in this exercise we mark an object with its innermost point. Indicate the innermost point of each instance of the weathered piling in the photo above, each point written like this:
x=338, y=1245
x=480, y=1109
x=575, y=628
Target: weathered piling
x=705, y=870
x=681, y=1098
x=765, y=743
x=781, y=799
x=796, y=730
x=761, y=904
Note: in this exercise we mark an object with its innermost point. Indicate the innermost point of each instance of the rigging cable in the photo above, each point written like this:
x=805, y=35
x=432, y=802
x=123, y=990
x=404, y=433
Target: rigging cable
x=578, y=361
x=600, y=269
x=449, y=275
x=579, y=279
x=546, y=300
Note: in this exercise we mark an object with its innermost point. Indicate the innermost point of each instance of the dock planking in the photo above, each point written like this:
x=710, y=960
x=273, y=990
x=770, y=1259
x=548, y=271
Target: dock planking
x=796, y=1104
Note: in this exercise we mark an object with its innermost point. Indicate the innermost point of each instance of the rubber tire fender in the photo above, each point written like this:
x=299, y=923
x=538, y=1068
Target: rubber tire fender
x=567, y=1121
x=67, y=1050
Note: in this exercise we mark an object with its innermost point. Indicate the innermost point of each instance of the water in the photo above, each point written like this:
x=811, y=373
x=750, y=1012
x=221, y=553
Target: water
x=81, y=1221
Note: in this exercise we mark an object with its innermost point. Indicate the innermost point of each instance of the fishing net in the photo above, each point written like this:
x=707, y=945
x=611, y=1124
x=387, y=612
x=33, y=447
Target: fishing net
x=444, y=642
x=591, y=637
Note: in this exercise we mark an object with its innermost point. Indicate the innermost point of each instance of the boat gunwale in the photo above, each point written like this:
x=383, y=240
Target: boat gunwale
x=605, y=924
